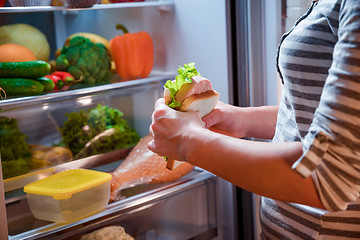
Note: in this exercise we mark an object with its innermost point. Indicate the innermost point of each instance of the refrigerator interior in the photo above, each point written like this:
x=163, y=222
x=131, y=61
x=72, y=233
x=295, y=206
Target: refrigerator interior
x=198, y=206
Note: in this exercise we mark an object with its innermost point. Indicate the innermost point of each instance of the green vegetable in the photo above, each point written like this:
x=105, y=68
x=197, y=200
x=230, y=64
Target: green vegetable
x=30, y=69
x=14, y=150
x=60, y=84
x=185, y=75
x=85, y=60
x=82, y=127
x=47, y=83
x=62, y=63
x=21, y=86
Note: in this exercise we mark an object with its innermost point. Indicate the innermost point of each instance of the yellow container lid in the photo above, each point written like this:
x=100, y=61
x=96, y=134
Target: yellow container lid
x=64, y=184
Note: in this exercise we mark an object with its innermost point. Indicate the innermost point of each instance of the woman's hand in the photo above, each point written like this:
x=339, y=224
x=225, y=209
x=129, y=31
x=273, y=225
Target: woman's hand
x=225, y=119
x=173, y=131
x=240, y=122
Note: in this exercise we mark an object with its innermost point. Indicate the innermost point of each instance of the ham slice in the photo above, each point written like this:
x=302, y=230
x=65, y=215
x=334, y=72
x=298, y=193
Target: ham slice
x=142, y=166
x=198, y=85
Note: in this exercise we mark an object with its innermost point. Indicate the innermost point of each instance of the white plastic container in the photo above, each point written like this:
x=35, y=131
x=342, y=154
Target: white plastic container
x=69, y=195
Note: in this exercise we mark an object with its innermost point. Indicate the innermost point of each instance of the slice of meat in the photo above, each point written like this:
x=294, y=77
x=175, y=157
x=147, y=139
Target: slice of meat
x=198, y=85
x=142, y=166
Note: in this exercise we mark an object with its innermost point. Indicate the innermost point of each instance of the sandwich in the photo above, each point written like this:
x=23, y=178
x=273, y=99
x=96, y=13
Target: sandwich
x=189, y=92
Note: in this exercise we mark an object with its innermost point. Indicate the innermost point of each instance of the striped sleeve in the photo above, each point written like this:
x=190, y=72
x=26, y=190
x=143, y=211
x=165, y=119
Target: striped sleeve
x=332, y=145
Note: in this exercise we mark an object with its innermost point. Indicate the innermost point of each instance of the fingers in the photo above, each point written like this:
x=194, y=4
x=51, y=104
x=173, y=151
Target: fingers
x=158, y=111
x=151, y=146
x=160, y=102
x=160, y=108
x=159, y=118
x=151, y=132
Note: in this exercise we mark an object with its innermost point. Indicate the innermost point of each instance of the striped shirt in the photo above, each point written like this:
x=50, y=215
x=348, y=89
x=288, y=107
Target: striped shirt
x=319, y=63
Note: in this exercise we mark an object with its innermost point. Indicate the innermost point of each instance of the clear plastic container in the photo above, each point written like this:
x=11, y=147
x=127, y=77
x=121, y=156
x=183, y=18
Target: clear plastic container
x=69, y=195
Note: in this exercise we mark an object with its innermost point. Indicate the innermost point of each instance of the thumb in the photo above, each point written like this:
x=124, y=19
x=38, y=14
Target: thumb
x=151, y=145
x=211, y=119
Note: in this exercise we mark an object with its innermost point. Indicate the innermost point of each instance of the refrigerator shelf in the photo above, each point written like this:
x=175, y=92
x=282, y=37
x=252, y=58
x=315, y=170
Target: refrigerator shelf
x=45, y=99
x=22, y=225
x=95, y=161
x=147, y=3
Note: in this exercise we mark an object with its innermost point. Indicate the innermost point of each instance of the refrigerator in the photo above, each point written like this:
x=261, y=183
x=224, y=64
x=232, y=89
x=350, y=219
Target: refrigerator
x=233, y=43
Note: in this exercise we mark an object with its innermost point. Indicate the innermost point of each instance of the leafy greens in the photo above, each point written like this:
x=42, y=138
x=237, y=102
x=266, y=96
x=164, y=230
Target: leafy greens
x=83, y=126
x=14, y=150
x=185, y=75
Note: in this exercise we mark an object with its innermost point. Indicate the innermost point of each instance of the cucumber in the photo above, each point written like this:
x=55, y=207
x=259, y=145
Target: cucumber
x=21, y=86
x=47, y=83
x=29, y=69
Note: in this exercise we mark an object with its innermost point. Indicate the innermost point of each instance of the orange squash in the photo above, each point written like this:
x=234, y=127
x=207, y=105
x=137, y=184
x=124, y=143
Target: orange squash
x=133, y=53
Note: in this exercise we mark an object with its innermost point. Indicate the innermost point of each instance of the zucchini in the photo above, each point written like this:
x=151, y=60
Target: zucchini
x=21, y=86
x=29, y=69
x=47, y=83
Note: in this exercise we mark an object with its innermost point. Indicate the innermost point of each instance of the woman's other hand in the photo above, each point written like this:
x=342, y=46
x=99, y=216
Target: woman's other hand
x=173, y=130
x=225, y=119
x=240, y=122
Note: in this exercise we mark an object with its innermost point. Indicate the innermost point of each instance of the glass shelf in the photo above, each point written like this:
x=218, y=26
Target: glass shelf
x=155, y=77
x=147, y=3
x=137, y=199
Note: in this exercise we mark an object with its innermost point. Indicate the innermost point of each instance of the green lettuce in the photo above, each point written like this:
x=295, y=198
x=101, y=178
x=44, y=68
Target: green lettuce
x=185, y=75
x=14, y=150
x=83, y=126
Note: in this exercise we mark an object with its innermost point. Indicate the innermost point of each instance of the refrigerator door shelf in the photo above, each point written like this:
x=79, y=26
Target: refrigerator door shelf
x=146, y=210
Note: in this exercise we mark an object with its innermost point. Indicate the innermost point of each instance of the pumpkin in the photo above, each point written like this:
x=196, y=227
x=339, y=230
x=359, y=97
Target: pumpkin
x=133, y=53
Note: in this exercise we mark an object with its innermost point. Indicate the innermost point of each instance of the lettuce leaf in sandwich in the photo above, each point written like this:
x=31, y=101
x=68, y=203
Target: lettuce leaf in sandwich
x=185, y=75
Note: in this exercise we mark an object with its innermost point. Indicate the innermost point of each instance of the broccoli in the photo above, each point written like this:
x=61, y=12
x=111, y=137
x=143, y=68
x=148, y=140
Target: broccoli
x=14, y=150
x=88, y=62
x=84, y=127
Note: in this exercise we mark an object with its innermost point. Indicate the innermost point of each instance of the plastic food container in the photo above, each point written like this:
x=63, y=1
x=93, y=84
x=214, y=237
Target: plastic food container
x=69, y=195
x=80, y=3
x=29, y=3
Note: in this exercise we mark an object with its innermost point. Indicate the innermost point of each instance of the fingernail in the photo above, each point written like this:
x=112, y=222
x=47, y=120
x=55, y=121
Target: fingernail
x=204, y=123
